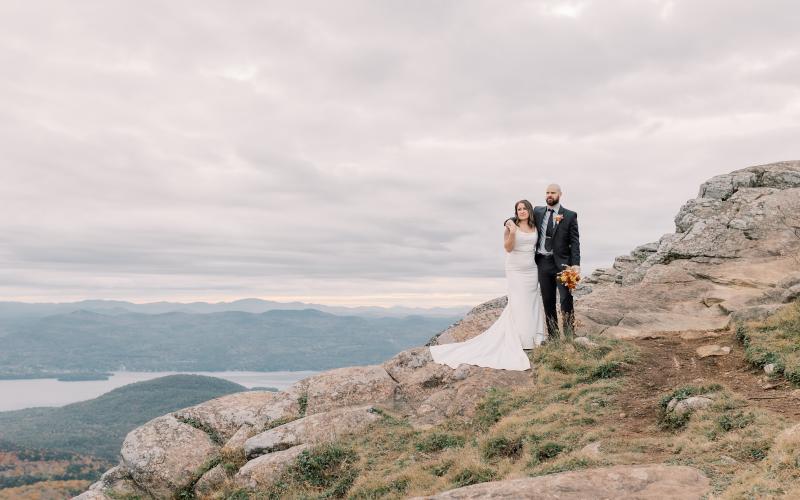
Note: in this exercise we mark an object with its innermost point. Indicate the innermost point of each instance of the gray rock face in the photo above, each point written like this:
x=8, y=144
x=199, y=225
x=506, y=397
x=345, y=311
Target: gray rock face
x=734, y=249
x=345, y=387
x=228, y=413
x=164, y=454
x=620, y=482
x=317, y=428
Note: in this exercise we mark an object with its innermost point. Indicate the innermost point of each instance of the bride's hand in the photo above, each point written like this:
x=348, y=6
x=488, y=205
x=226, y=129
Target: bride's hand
x=511, y=226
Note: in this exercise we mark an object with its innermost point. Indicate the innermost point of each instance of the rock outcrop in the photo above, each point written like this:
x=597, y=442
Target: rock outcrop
x=733, y=257
x=620, y=482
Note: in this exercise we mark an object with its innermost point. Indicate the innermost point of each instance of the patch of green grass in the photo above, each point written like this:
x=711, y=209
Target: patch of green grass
x=302, y=401
x=494, y=406
x=756, y=451
x=325, y=471
x=775, y=340
x=397, y=486
x=322, y=466
x=574, y=463
x=199, y=425
x=473, y=475
x=502, y=447
x=730, y=421
x=438, y=441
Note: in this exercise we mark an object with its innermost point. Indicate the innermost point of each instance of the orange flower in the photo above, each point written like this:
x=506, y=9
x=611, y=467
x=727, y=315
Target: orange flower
x=569, y=278
x=558, y=218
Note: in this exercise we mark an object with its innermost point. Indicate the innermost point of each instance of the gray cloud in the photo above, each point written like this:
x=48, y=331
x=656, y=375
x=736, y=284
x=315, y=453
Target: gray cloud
x=364, y=151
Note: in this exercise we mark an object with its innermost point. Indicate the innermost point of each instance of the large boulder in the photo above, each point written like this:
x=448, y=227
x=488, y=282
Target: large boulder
x=620, y=482
x=344, y=387
x=165, y=455
x=317, y=428
x=429, y=393
x=264, y=470
x=476, y=321
x=228, y=413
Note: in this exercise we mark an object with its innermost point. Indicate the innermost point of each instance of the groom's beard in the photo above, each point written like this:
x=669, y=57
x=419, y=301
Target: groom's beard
x=551, y=201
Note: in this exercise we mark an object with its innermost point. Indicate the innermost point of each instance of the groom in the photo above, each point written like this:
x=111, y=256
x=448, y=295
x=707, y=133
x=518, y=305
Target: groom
x=557, y=248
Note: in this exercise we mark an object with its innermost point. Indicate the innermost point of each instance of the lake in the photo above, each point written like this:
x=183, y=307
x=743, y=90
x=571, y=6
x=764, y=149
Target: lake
x=19, y=394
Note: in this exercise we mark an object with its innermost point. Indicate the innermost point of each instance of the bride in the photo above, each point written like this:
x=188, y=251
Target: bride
x=521, y=325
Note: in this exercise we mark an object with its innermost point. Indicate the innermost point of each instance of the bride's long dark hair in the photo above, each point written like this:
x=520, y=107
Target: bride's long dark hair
x=528, y=207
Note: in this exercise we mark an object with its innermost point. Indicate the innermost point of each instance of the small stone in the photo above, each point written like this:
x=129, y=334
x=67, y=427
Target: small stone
x=712, y=350
x=769, y=387
x=792, y=294
x=623, y=415
x=725, y=459
x=591, y=449
x=692, y=403
x=769, y=369
x=585, y=342
x=461, y=372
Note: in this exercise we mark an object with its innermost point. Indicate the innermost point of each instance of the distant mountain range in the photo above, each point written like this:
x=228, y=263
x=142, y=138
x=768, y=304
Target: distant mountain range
x=19, y=310
x=115, y=339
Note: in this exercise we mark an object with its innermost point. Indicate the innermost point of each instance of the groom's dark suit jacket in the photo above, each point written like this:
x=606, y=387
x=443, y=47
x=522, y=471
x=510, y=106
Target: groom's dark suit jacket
x=566, y=241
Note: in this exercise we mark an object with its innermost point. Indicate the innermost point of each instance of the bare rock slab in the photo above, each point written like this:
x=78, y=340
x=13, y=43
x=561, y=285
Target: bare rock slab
x=318, y=428
x=620, y=482
x=264, y=470
x=92, y=495
x=345, y=387
x=164, y=454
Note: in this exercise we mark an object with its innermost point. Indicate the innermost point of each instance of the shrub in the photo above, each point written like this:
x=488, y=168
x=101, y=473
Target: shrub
x=502, y=447
x=739, y=420
x=546, y=451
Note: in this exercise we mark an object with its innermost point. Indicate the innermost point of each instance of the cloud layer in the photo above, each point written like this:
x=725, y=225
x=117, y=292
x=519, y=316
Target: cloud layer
x=364, y=152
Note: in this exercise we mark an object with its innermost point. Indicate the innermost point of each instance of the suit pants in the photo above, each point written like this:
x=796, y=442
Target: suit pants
x=548, y=284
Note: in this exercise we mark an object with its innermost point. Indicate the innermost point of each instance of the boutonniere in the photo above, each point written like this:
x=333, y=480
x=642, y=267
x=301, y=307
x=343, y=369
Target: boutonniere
x=558, y=218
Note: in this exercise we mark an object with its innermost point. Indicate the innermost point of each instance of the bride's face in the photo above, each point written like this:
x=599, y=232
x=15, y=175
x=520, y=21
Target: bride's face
x=522, y=212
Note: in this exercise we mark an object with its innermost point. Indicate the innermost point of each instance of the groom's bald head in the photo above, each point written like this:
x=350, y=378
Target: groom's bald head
x=552, y=195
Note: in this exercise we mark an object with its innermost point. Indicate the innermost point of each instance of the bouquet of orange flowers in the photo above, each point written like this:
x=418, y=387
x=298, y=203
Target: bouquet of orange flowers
x=569, y=277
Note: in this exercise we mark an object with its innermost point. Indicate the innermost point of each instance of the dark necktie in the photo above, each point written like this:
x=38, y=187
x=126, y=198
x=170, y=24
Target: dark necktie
x=548, y=241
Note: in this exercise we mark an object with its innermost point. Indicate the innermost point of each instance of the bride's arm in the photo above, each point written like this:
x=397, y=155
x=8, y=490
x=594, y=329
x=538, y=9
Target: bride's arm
x=508, y=237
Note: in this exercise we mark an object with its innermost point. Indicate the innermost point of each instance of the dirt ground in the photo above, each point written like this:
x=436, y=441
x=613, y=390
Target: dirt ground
x=671, y=362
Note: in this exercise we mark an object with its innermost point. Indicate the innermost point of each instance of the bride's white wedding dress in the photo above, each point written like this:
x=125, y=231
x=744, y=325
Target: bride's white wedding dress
x=520, y=326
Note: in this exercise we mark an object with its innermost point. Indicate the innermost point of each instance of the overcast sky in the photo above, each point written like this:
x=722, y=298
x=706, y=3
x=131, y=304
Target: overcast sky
x=364, y=152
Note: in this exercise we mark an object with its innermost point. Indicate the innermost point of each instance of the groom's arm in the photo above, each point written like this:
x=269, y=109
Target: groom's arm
x=574, y=243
